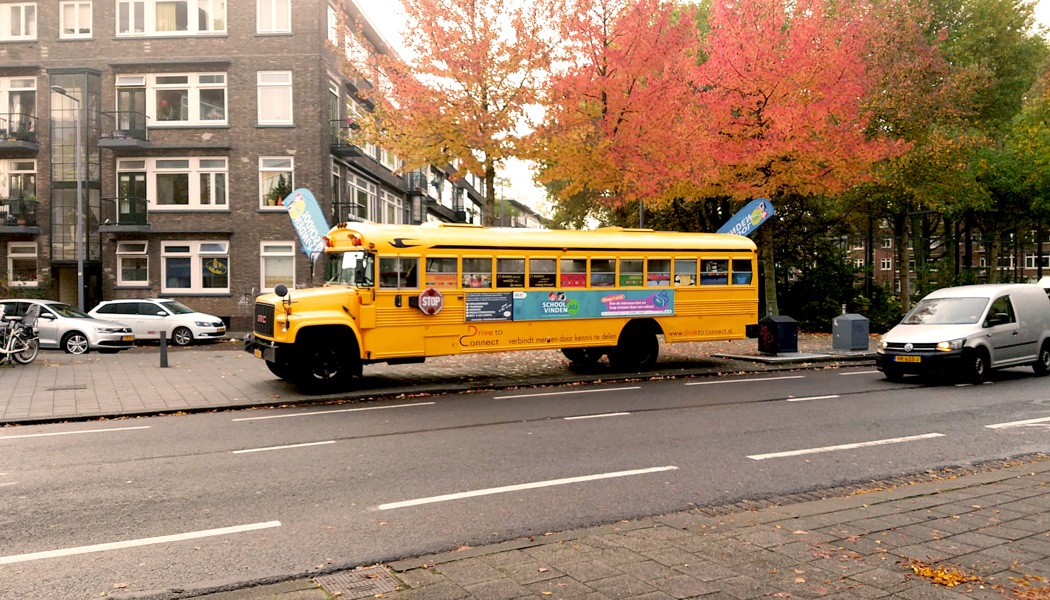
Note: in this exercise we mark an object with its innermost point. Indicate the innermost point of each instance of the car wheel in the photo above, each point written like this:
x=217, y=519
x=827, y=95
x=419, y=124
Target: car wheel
x=182, y=336
x=1042, y=364
x=75, y=343
x=977, y=365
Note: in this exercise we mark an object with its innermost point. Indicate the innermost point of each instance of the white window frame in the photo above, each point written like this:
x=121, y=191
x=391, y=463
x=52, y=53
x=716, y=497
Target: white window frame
x=148, y=9
x=275, y=14
x=886, y=264
x=196, y=255
x=356, y=112
x=388, y=202
x=195, y=83
x=194, y=169
x=213, y=8
x=27, y=26
x=274, y=249
x=12, y=256
x=9, y=167
x=333, y=26
x=129, y=250
x=77, y=25
x=269, y=84
x=278, y=165
x=1030, y=261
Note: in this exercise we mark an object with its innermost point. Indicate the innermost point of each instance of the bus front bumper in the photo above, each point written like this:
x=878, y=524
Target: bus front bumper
x=264, y=349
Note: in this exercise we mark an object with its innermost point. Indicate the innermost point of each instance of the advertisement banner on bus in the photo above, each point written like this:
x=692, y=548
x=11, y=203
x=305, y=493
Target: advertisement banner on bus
x=592, y=304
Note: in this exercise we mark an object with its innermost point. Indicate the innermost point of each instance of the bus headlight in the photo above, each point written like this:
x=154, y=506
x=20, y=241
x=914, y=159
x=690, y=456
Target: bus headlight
x=952, y=345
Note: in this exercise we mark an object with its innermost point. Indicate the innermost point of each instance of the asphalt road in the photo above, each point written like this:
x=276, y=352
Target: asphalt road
x=190, y=499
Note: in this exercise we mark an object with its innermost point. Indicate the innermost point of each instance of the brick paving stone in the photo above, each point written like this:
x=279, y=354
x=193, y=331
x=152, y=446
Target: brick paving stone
x=623, y=586
x=1029, y=524
x=706, y=571
x=1004, y=532
x=562, y=587
x=880, y=577
x=766, y=538
x=420, y=577
x=684, y=586
x=745, y=588
x=498, y=589
x=590, y=570
x=469, y=571
x=652, y=596
x=976, y=539
x=1036, y=544
x=526, y=573
x=557, y=553
x=647, y=570
x=671, y=556
x=617, y=556
x=445, y=590
x=510, y=557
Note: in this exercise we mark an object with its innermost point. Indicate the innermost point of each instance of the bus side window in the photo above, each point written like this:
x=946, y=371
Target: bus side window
x=741, y=272
x=573, y=272
x=477, y=273
x=714, y=272
x=442, y=272
x=543, y=272
x=603, y=272
x=659, y=273
x=685, y=271
x=510, y=272
x=397, y=273
x=632, y=272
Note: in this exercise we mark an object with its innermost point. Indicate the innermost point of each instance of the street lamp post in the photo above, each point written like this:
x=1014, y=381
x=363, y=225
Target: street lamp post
x=80, y=202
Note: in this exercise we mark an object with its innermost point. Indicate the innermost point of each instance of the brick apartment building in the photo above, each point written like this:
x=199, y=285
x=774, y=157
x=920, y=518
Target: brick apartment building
x=196, y=117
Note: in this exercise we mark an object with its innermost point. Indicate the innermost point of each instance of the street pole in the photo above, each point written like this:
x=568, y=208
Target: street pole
x=80, y=202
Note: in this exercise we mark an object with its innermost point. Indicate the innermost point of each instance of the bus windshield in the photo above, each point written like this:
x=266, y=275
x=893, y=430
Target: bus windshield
x=351, y=268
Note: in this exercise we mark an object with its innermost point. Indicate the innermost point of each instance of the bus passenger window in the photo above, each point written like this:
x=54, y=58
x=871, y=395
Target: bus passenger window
x=603, y=272
x=396, y=273
x=685, y=272
x=510, y=272
x=659, y=274
x=543, y=272
x=441, y=273
x=741, y=272
x=477, y=272
x=714, y=272
x=573, y=272
x=632, y=272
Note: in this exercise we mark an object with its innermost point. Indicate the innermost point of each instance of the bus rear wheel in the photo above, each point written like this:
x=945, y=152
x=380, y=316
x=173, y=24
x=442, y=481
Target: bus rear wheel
x=583, y=356
x=635, y=351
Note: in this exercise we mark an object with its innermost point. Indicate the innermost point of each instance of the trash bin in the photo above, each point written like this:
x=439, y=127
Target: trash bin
x=849, y=332
x=777, y=334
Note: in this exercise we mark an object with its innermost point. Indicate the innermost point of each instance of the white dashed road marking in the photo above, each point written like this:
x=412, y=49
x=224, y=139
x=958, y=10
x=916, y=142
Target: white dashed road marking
x=570, y=392
x=30, y=435
x=283, y=447
x=1041, y=422
x=812, y=398
x=746, y=380
x=899, y=440
x=620, y=414
x=329, y=412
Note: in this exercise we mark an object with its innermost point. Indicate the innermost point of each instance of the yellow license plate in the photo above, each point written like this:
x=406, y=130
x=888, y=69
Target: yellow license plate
x=907, y=359
x=129, y=338
x=222, y=330
x=258, y=353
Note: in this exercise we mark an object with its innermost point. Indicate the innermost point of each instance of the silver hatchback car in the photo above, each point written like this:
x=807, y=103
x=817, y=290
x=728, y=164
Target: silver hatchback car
x=68, y=328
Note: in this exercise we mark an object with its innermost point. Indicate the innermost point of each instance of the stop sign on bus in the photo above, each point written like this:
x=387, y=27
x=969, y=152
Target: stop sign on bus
x=431, y=301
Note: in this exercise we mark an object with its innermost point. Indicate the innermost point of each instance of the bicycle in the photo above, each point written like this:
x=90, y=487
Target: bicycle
x=19, y=341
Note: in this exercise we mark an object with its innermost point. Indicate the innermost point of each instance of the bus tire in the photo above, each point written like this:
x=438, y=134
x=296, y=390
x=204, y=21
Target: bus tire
x=281, y=370
x=583, y=356
x=636, y=350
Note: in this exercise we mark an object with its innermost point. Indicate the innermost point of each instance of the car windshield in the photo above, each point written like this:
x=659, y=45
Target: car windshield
x=946, y=311
x=71, y=312
x=351, y=268
x=176, y=308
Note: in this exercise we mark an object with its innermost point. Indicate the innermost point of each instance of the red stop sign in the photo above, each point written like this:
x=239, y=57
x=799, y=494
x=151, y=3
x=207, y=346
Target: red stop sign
x=431, y=301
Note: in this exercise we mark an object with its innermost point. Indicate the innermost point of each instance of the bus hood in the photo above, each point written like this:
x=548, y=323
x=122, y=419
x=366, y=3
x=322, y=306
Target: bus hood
x=310, y=295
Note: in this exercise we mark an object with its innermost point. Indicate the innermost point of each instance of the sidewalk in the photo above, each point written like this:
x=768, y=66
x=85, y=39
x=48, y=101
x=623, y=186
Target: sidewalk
x=982, y=535
x=220, y=375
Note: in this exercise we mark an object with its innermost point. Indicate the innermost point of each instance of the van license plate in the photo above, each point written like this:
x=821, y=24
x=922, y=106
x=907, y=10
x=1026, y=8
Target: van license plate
x=258, y=353
x=907, y=359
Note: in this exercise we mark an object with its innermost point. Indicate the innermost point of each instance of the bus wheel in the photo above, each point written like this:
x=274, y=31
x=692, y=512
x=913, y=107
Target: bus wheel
x=282, y=370
x=583, y=356
x=327, y=369
x=635, y=351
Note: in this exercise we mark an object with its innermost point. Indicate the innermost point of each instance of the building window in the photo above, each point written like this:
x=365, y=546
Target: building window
x=885, y=264
x=333, y=26
x=392, y=208
x=858, y=263
x=21, y=264
x=275, y=98
x=275, y=182
x=274, y=16
x=277, y=264
x=195, y=267
x=18, y=21
x=132, y=264
x=181, y=183
x=1031, y=260
x=76, y=20
x=170, y=17
x=18, y=100
x=887, y=242
x=182, y=99
x=360, y=195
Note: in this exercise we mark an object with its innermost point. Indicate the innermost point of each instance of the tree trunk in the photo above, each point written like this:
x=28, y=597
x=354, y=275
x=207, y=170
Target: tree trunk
x=488, y=211
x=991, y=253
x=900, y=251
x=765, y=254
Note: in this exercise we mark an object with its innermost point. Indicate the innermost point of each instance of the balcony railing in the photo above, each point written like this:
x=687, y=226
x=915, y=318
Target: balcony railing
x=17, y=127
x=17, y=212
x=123, y=128
x=344, y=134
x=345, y=212
x=123, y=214
x=416, y=182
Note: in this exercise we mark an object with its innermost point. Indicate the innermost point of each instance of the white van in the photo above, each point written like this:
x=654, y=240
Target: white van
x=969, y=330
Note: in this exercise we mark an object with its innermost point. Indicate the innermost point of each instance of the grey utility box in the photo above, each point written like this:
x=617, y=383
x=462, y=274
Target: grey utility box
x=849, y=332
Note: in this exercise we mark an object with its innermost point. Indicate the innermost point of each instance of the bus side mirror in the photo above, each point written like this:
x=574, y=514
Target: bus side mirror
x=281, y=290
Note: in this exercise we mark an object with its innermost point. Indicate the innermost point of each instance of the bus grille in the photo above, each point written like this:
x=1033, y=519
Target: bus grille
x=264, y=319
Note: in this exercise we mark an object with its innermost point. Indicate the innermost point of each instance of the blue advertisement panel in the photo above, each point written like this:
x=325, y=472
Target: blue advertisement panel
x=749, y=218
x=592, y=304
x=308, y=220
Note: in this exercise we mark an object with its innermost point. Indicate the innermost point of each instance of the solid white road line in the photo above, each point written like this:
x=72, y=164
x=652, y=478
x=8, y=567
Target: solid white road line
x=572, y=392
x=329, y=412
x=5, y=560
x=523, y=486
x=29, y=435
x=283, y=447
x=899, y=440
x=812, y=398
x=597, y=416
x=746, y=380
x=860, y=373
x=1024, y=423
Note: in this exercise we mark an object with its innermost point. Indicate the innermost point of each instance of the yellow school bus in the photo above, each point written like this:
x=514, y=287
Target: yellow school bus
x=400, y=293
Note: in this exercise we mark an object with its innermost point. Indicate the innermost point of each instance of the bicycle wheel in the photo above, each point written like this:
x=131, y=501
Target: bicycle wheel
x=24, y=349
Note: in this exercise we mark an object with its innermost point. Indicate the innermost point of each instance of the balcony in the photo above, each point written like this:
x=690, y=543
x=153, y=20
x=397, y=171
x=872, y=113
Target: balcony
x=18, y=134
x=349, y=212
x=18, y=215
x=416, y=183
x=123, y=215
x=123, y=130
x=343, y=134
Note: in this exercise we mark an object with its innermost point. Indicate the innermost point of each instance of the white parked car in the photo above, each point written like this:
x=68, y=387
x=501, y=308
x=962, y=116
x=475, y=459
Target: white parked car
x=147, y=317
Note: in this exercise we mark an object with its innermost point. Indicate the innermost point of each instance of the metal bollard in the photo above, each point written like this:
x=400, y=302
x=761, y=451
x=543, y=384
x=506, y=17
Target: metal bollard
x=163, y=349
